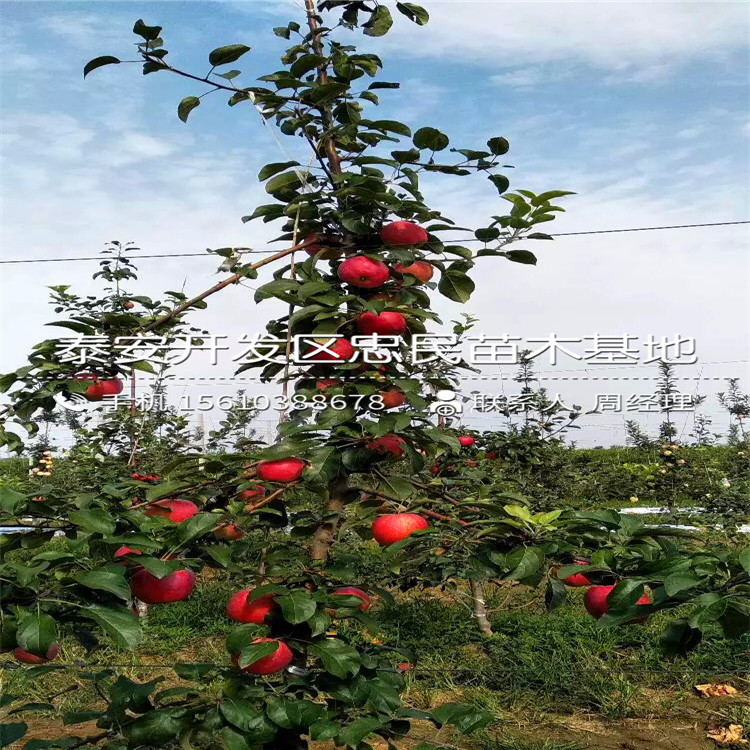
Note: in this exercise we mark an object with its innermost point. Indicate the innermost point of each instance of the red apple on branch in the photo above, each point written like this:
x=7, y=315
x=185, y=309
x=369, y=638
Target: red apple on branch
x=326, y=383
x=364, y=272
x=386, y=323
x=28, y=658
x=394, y=527
x=281, y=469
x=275, y=662
x=329, y=246
x=249, y=494
x=420, y=269
x=173, y=587
x=341, y=350
x=403, y=233
x=174, y=509
x=392, y=444
x=100, y=387
x=354, y=591
x=596, y=604
x=122, y=551
x=392, y=398
x=257, y=611
x=466, y=440
x=229, y=531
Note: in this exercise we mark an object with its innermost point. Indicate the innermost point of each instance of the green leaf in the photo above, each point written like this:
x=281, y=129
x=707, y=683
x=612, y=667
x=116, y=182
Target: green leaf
x=155, y=728
x=194, y=527
x=677, y=582
x=228, y=54
x=297, y=607
x=555, y=594
x=456, y=286
x=284, y=181
x=231, y=739
x=415, y=13
x=105, y=580
x=248, y=719
x=269, y=170
x=390, y=126
x=323, y=730
x=524, y=562
x=465, y=718
x=193, y=672
x=36, y=632
x=95, y=520
x=305, y=64
x=430, y=138
x=292, y=714
x=99, y=62
x=521, y=256
x=149, y=33
x=679, y=638
x=501, y=182
x=11, y=502
x=624, y=595
x=338, y=658
x=744, y=558
x=498, y=146
x=255, y=652
x=186, y=106
x=488, y=234
x=10, y=733
x=119, y=623
x=549, y=196
x=361, y=728
x=379, y=23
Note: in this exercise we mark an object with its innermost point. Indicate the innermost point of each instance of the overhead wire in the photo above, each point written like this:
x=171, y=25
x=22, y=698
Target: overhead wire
x=366, y=247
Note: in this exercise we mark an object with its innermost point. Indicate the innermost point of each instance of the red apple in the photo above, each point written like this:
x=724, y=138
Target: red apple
x=256, y=491
x=490, y=454
x=435, y=469
x=327, y=244
x=176, y=510
x=281, y=470
x=392, y=444
x=128, y=305
x=385, y=324
x=595, y=601
x=354, y=591
x=326, y=383
x=99, y=387
x=229, y=531
x=392, y=397
x=471, y=462
x=174, y=587
x=421, y=269
x=258, y=611
x=275, y=662
x=28, y=658
x=466, y=440
x=341, y=350
x=403, y=233
x=394, y=527
x=364, y=272
x=577, y=580
x=122, y=551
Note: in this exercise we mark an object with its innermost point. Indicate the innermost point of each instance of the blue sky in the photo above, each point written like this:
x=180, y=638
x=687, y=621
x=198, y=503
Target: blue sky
x=641, y=108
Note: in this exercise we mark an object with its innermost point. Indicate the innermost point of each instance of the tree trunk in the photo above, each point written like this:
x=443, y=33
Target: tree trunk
x=479, y=607
x=324, y=534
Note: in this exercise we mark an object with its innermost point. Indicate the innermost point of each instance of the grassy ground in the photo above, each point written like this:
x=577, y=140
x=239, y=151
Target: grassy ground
x=552, y=681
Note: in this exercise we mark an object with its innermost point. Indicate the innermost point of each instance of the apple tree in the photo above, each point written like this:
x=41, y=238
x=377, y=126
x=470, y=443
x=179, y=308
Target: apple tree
x=351, y=456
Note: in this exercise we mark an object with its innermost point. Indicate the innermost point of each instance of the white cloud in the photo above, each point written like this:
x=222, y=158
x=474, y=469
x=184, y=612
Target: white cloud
x=521, y=77
x=609, y=35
